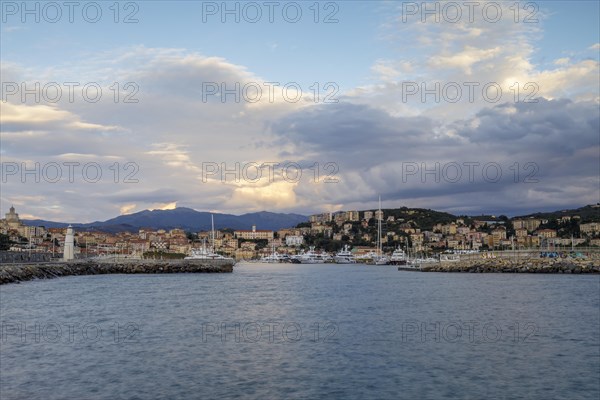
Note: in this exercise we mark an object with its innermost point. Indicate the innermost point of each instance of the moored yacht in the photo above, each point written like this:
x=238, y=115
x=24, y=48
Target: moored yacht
x=275, y=258
x=398, y=257
x=326, y=257
x=382, y=259
x=310, y=257
x=367, y=258
x=206, y=254
x=345, y=256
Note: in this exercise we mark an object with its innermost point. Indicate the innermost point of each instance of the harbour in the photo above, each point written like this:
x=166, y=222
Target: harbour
x=346, y=200
x=298, y=331
x=500, y=262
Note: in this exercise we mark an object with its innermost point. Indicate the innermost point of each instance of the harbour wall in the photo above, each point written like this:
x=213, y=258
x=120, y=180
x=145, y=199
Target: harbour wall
x=23, y=257
x=528, y=265
x=14, y=273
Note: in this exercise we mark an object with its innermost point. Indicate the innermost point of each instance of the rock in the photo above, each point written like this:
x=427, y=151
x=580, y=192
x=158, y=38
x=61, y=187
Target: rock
x=17, y=273
x=528, y=265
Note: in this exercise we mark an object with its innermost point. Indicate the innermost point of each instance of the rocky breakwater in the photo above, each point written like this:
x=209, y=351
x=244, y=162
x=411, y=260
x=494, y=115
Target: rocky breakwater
x=10, y=273
x=534, y=265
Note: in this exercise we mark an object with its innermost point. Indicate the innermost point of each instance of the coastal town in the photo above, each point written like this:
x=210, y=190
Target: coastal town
x=417, y=231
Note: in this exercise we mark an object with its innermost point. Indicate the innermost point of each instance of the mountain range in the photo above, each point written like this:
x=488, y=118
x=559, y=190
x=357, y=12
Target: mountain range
x=184, y=218
x=195, y=221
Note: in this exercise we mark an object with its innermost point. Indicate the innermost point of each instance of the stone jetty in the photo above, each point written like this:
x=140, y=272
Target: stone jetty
x=11, y=273
x=531, y=265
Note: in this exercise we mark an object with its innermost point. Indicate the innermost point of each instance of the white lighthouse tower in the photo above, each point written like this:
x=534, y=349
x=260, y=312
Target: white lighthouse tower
x=69, y=252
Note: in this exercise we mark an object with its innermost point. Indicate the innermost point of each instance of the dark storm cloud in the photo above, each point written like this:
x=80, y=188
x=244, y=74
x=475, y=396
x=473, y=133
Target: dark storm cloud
x=554, y=144
x=555, y=126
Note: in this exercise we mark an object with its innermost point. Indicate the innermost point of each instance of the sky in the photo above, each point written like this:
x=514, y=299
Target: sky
x=109, y=108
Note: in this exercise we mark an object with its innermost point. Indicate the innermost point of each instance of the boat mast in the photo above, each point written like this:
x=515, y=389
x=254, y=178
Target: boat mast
x=212, y=219
x=379, y=216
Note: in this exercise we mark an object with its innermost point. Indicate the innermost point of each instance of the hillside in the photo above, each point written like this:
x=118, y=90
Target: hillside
x=184, y=218
x=589, y=213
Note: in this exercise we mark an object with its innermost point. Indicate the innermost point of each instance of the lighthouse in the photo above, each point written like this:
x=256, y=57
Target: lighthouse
x=69, y=252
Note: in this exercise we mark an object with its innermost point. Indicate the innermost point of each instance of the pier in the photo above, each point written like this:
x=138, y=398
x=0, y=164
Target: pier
x=14, y=273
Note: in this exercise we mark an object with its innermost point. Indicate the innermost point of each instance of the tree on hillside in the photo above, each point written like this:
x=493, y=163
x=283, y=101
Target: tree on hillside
x=5, y=242
x=191, y=236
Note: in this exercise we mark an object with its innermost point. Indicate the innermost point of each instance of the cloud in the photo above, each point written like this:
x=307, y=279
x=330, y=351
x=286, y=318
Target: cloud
x=23, y=117
x=542, y=147
x=10, y=29
x=464, y=59
x=167, y=206
x=127, y=209
x=478, y=53
x=370, y=137
x=385, y=71
x=276, y=195
x=174, y=155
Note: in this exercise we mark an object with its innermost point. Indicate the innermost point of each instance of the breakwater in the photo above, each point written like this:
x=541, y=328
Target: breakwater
x=24, y=257
x=532, y=265
x=11, y=273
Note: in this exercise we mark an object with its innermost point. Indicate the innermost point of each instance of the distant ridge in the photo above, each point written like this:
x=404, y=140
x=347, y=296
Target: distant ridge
x=194, y=221
x=587, y=213
x=184, y=218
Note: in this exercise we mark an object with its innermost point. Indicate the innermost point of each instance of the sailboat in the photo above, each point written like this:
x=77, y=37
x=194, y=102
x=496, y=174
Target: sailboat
x=208, y=254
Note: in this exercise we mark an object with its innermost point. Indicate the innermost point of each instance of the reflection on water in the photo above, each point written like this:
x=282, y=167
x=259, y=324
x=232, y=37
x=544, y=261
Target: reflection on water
x=302, y=331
